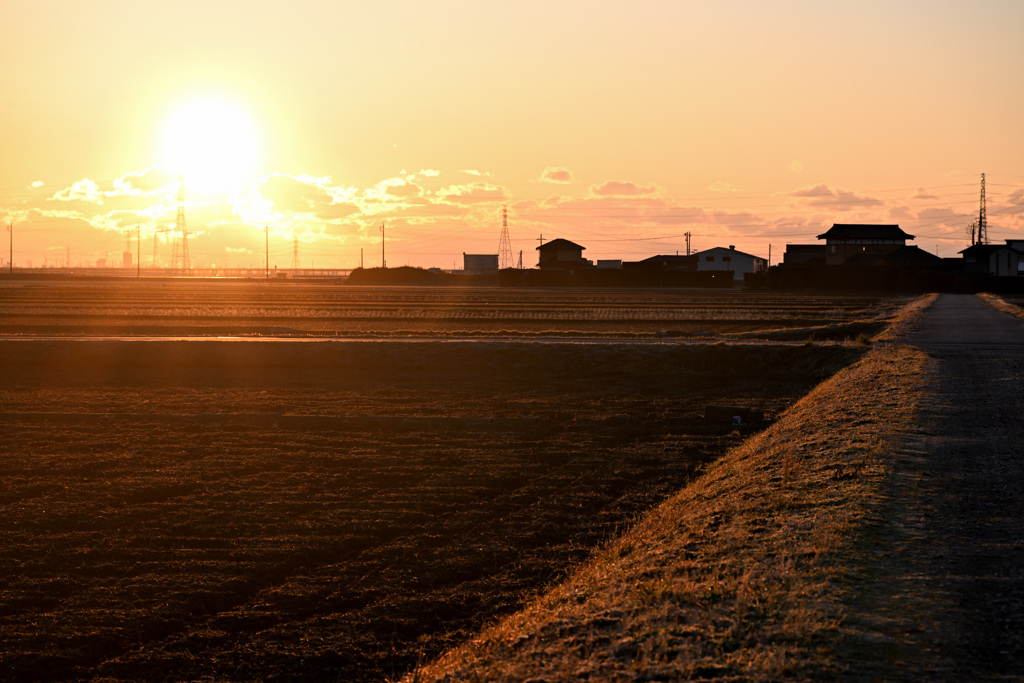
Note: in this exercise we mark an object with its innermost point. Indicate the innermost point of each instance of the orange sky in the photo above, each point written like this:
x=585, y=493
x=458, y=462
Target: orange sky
x=618, y=125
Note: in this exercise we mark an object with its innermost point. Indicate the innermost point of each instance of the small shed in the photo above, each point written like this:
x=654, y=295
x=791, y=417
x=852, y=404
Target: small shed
x=480, y=263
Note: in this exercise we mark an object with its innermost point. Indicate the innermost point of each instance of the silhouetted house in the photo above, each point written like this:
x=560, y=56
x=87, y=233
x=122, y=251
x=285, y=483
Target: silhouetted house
x=905, y=257
x=804, y=255
x=561, y=254
x=1000, y=260
x=1019, y=246
x=912, y=256
x=844, y=241
x=665, y=262
x=737, y=262
x=480, y=263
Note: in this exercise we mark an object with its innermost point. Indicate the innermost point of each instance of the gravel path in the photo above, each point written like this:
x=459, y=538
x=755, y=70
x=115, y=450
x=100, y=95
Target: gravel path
x=948, y=592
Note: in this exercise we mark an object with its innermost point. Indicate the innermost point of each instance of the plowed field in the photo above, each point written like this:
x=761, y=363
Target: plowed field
x=255, y=510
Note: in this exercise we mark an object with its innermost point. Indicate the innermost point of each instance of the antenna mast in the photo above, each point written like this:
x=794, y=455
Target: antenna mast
x=181, y=233
x=504, y=244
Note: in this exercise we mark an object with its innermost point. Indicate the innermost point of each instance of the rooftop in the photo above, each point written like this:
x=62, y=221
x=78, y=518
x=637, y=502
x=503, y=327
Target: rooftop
x=854, y=231
x=561, y=244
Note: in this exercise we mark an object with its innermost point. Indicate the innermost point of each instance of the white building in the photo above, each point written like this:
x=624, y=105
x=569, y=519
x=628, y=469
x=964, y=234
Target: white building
x=738, y=262
x=479, y=263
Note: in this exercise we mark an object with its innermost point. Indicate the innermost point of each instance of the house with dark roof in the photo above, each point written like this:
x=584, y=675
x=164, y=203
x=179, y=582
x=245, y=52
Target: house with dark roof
x=560, y=254
x=843, y=241
x=1001, y=260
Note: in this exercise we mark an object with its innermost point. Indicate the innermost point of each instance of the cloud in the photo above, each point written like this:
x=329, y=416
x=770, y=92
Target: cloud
x=1016, y=203
x=84, y=190
x=37, y=184
x=403, y=189
x=473, y=193
x=619, y=188
x=143, y=183
x=921, y=193
x=901, y=213
x=944, y=217
x=237, y=250
x=555, y=174
x=836, y=198
x=795, y=166
x=470, y=171
x=305, y=195
x=719, y=186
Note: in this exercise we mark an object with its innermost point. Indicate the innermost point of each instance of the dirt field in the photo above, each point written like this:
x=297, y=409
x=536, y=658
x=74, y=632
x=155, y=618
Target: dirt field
x=254, y=510
x=297, y=309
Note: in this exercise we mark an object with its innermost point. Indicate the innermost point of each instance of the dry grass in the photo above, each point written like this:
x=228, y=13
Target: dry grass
x=746, y=574
x=1001, y=304
x=908, y=312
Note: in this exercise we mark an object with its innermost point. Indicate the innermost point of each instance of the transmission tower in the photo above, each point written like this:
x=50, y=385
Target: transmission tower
x=180, y=260
x=295, y=253
x=982, y=220
x=504, y=244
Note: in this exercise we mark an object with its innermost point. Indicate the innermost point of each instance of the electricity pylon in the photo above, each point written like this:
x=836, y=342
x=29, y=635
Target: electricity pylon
x=504, y=244
x=180, y=260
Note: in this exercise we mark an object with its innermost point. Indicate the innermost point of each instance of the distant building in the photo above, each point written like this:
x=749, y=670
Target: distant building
x=480, y=263
x=908, y=256
x=844, y=241
x=804, y=255
x=665, y=262
x=1000, y=260
x=561, y=254
x=126, y=259
x=737, y=262
x=609, y=264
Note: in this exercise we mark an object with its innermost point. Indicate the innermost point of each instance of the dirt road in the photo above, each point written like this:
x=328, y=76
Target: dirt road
x=953, y=606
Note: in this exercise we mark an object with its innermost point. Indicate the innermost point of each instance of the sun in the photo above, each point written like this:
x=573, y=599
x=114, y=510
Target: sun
x=213, y=145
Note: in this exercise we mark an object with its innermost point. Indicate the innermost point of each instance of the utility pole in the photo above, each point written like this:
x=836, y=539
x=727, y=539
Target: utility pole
x=266, y=264
x=360, y=258
x=138, y=251
x=10, y=263
x=295, y=253
x=687, y=234
x=383, y=261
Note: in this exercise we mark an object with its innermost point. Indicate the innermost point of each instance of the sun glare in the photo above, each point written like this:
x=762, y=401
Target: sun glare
x=213, y=145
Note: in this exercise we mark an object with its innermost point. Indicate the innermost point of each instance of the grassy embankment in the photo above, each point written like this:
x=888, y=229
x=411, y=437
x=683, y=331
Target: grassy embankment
x=750, y=573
